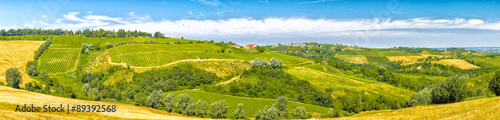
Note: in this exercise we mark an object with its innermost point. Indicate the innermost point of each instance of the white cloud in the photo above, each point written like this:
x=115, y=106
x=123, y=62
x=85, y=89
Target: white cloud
x=269, y=27
x=208, y=2
x=89, y=12
x=298, y=26
x=9, y=27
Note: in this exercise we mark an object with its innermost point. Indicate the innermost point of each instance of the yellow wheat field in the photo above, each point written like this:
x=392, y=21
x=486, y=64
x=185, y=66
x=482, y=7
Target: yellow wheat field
x=404, y=58
x=16, y=54
x=462, y=64
x=11, y=97
x=482, y=109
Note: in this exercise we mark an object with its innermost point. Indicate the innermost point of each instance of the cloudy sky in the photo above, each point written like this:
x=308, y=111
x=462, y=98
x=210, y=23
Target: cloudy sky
x=374, y=23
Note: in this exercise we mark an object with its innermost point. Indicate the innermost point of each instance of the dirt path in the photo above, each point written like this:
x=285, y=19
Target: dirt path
x=229, y=81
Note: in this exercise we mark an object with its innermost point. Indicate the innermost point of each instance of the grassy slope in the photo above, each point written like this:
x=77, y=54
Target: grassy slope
x=343, y=83
x=251, y=105
x=482, y=109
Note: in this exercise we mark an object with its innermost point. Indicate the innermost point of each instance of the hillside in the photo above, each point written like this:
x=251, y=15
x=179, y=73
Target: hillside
x=16, y=54
x=13, y=97
x=343, y=86
x=482, y=109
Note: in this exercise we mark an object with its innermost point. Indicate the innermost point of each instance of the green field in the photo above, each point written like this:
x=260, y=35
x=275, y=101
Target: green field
x=343, y=84
x=417, y=76
x=348, y=52
x=377, y=60
x=489, y=61
x=161, y=54
x=251, y=105
x=373, y=56
x=56, y=60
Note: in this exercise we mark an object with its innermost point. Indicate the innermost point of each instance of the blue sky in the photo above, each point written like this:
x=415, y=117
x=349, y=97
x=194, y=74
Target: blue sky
x=370, y=23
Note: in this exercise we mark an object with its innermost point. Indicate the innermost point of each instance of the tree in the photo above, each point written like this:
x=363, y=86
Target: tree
x=451, y=90
x=121, y=33
x=155, y=99
x=423, y=97
x=258, y=115
x=13, y=77
x=85, y=88
x=260, y=49
x=201, y=108
x=169, y=102
x=270, y=114
x=183, y=102
x=282, y=104
x=275, y=64
x=218, y=109
x=495, y=84
x=32, y=70
x=239, y=113
x=300, y=113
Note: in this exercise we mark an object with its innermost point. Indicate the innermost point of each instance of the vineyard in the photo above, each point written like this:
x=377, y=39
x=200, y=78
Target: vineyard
x=58, y=60
x=161, y=54
x=342, y=85
x=251, y=105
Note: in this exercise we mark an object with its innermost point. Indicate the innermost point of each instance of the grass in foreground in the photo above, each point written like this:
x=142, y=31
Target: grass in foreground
x=11, y=97
x=482, y=109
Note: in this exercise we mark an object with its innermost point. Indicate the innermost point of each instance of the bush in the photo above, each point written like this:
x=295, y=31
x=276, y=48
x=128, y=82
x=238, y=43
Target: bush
x=270, y=114
x=218, y=109
x=201, y=108
x=495, y=84
x=300, y=113
x=13, y=77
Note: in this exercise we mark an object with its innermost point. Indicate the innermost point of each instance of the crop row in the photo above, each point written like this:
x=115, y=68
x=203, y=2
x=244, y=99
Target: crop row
x=58, y=60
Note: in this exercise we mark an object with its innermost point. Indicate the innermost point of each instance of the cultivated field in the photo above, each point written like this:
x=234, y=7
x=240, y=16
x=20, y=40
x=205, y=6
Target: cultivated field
x=482, y=109
x=462, y=64
x=375, y=56
x=341, y=84
x=16, y=54
x=404, y=58
x=58, y=60
x=13, y=97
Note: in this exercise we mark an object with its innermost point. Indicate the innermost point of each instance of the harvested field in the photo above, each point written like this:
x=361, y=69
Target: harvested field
x=17, y=54
x=462, y=64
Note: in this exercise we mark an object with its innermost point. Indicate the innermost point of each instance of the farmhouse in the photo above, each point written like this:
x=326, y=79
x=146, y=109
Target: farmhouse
x=235, y=46
x=250, y=46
